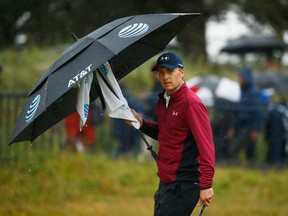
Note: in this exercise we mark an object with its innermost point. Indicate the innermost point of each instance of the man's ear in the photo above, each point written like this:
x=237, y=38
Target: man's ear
x=182, y=72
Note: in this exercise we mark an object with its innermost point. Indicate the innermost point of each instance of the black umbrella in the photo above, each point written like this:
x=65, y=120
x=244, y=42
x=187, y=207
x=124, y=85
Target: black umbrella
x=126, y=43
x=254, y=44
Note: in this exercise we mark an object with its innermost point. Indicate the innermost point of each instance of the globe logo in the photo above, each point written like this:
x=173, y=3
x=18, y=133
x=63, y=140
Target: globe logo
x=133, y=30
x=32, y=109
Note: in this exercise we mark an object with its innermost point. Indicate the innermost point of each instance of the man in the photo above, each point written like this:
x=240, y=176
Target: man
x=276, y=131
x=246, y=125
x=186, y=150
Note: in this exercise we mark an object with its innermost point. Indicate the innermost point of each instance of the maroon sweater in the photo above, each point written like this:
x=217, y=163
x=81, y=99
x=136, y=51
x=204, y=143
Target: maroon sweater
x=186, y=148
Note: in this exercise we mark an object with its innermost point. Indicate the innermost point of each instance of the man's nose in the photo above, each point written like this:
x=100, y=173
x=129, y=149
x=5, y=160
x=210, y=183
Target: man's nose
x=166, y=75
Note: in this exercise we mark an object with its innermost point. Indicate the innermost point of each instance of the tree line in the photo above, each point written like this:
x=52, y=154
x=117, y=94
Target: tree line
x=49, y=22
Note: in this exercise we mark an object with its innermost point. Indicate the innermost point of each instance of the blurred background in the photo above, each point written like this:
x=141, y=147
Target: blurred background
x=228, y=35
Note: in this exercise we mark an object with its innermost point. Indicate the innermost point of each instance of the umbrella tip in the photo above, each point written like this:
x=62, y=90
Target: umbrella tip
x=74, y=36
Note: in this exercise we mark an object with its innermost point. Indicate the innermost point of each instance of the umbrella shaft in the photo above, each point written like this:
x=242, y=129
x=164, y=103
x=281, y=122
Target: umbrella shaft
x=149, y=147
x=201, y=210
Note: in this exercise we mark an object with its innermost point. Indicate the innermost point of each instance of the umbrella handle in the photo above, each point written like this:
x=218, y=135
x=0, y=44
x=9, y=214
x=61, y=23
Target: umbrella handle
x=202, y=210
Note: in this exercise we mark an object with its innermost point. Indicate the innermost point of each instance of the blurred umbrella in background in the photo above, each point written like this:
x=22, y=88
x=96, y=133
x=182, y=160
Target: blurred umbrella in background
x=229, y=90
x=124, y=43
x=254, y=44
x=277, y=81
x=204, y=87
x=209, y=81
x=212, y=87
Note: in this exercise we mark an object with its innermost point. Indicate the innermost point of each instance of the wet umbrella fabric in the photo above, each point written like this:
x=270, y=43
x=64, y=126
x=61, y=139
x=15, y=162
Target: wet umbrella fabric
x=125, y=43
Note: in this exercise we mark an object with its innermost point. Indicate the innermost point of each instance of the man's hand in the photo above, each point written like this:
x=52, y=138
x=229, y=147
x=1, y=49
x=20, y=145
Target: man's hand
x=137, y=116
x=206, y=196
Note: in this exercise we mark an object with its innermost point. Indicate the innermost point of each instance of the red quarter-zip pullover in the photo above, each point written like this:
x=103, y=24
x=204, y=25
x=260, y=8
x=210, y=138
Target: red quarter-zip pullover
x=186, y=148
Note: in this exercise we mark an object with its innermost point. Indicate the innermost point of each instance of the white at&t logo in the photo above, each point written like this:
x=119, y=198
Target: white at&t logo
x=32, y=109
x=79, y=76
x=133, y=30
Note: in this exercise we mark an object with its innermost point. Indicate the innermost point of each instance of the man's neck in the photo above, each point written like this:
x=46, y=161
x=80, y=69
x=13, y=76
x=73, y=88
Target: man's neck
x=169, y=93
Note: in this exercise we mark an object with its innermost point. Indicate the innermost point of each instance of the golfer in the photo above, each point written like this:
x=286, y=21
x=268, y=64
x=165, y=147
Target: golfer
x=186, y=155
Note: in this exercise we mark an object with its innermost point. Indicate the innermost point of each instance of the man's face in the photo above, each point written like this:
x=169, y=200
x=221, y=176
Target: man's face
x=170, y=79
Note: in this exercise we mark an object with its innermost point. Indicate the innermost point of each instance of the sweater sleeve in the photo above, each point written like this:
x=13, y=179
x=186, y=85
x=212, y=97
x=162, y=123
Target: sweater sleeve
x=150, y=128
x=200, y=127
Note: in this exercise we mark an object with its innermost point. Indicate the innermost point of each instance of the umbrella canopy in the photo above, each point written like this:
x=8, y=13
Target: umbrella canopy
x=272, y=80
x=229, y=90
x=125, y=43
x=210, y=87
x=209, y=81
x=204, y=87
x=254, y=44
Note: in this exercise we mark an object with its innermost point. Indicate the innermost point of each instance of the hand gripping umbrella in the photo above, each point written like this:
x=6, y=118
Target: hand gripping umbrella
x=125, y=43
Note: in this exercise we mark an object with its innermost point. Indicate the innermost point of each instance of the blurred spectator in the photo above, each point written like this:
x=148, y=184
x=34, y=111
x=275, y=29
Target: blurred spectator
x=275, y=132
x=247, y=121
x=222, y=114
x=85, y=139
x=271, y=65
x=152, y=98
x=128, y=138
x=149, y=112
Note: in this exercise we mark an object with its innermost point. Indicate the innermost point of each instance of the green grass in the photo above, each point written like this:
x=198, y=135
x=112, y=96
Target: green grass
x=67, y=183
x=76, y=184
x=39, y=180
